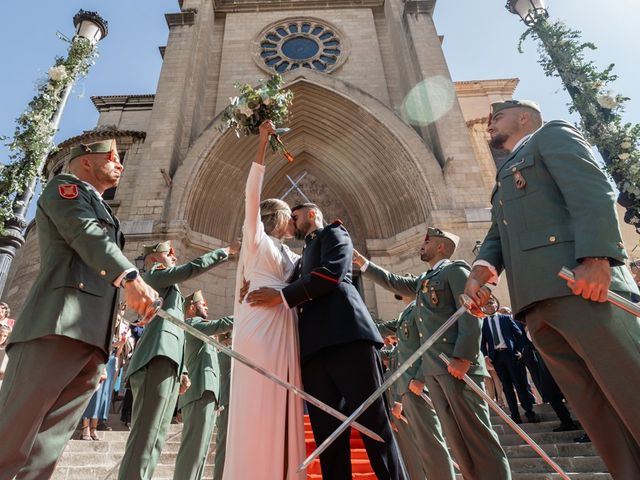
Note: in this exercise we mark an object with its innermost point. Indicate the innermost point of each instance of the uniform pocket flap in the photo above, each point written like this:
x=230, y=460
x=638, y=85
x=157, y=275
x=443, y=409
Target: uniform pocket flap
x=546, y=236
x=516, y=165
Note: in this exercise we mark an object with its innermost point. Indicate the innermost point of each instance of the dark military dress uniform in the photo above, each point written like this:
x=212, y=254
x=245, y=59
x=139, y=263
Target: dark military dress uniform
x=552, y=206
x=61, y=339
x=336, y=330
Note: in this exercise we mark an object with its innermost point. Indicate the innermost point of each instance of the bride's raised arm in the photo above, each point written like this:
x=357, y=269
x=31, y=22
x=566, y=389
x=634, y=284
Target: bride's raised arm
x=253, y=228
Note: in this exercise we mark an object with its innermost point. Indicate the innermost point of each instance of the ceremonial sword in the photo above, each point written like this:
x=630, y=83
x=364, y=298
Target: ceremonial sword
x=516, y=428
x=467, y=305
x=155, y=309
x=612, y=297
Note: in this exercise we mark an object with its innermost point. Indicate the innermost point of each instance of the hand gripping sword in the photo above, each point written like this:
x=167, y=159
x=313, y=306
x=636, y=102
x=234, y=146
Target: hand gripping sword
x=467, y=305
x=516, y=428
x=155, y=309
x=612, y=297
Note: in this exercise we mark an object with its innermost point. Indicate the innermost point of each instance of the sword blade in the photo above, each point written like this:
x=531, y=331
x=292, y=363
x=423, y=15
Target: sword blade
x=244, y=360
x=617, y=300
x=385, y=385
x=516, y=428
x=426, y=398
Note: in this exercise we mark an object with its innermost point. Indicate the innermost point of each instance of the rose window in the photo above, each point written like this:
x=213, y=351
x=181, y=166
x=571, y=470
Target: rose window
x=295, y=44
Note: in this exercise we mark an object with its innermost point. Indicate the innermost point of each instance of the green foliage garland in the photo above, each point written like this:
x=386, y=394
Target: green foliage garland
x=33, y=136
x=562, y=55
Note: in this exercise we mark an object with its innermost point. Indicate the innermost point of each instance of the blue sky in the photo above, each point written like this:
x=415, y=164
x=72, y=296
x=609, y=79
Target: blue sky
x=480, y=43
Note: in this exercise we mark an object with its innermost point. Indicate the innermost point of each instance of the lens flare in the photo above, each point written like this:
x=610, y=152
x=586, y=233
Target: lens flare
x=428, y=101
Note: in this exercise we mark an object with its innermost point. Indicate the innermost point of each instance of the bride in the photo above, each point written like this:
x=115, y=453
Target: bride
x=266, y=431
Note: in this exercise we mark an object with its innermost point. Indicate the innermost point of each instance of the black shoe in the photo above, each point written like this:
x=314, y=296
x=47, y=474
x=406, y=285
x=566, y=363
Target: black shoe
x=533, y=417
x=517, y=420
x=567, y=427
x=584, y=438
x=103, y=427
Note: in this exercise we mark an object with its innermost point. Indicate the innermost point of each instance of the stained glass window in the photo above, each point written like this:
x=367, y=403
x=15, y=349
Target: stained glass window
x=300, y=44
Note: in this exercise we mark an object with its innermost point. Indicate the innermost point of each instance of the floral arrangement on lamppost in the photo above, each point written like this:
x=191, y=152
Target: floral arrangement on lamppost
x=32, y=140
x=562, y=54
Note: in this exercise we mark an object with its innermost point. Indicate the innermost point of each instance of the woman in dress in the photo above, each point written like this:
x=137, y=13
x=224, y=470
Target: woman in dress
x=266, y=430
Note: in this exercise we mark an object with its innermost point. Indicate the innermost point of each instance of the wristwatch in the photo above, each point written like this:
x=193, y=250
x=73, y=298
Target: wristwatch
x=129, y=276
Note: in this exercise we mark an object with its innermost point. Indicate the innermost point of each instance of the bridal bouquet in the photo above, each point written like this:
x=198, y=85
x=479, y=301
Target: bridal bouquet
x=255, y=105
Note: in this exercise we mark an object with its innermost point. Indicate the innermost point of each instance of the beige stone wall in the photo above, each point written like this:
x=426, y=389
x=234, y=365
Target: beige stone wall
x=362, y=69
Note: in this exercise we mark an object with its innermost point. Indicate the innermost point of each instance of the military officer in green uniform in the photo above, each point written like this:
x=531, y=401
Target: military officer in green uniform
x=464, y=416
x=62, y=338
x=224, y=364
x=399, y=423
x=552, y=206
x=199, y=403
x=156, y=370
x=424, y=427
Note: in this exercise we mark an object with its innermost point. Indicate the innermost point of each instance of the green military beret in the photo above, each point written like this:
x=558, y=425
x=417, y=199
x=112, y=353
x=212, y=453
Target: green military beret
x=157, y=248
x=436, y=232
x=104, y=146
x=499, y=106
x=195, y=297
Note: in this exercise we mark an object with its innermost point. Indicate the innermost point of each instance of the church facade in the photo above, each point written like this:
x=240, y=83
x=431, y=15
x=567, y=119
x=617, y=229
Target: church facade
x=382, y=137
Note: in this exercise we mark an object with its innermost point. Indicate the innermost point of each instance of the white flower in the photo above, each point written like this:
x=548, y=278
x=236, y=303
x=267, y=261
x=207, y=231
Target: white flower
x=57, y=73
x=625, y=145
x=267, y=101
x=607, y=101
x=624, y=156
x=245, y=110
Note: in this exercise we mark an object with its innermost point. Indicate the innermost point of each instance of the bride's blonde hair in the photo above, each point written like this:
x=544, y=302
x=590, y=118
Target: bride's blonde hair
x=274, y=214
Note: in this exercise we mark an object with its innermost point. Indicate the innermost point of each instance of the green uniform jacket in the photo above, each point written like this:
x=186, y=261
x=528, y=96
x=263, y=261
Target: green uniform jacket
x=80, y=256
x=405, y=328
x=201, y=359
x=462, y=340
x=223, y=393
x=391, y=354
x=160, y=337
x=564, y=212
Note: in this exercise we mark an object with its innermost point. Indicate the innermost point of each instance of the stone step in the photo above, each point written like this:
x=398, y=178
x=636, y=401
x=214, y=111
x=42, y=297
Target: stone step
x=553, y=476
x=544, y=426
x=507, y=439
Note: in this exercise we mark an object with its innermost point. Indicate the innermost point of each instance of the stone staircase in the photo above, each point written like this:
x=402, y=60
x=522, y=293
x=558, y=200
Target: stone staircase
x=89, y=460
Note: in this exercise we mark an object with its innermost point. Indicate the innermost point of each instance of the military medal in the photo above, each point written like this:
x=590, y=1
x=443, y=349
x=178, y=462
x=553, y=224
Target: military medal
x=434, y=297
x=406, y=330
x=425, y=286
x=519, y=180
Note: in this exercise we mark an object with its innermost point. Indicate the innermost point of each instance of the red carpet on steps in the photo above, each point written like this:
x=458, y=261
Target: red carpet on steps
x=360, y=466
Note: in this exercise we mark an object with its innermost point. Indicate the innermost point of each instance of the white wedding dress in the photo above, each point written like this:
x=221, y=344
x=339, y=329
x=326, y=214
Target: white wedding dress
x=266, y=422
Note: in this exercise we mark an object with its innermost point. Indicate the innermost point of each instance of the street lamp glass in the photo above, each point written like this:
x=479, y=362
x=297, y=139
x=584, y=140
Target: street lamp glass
x=90, y=25
x=89, y=30
x=527, y=10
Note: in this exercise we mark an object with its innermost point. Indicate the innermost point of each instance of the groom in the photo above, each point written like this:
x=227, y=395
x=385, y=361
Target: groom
x=338, y=344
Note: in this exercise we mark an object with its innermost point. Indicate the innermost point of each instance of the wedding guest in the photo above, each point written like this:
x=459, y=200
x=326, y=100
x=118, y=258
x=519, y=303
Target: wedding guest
x=5, y=311
x=156, y=370
x=464, y=416
x=61, y=340
x=553, y=206
x=5, y=330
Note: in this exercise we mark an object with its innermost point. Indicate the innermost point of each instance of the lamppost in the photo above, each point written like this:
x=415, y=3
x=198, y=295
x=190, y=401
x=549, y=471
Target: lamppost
x=583, y=83
x=89, y=27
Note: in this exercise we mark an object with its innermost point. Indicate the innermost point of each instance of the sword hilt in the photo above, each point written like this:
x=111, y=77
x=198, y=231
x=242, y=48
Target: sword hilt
x=473, y=308
x=149, y=313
